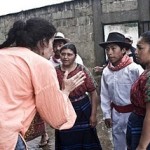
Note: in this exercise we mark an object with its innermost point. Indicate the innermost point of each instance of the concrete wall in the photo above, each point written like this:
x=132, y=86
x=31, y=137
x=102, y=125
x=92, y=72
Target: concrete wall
x=82, y=21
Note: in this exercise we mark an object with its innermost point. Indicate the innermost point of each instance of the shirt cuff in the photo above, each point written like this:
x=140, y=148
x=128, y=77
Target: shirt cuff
x=106, y=116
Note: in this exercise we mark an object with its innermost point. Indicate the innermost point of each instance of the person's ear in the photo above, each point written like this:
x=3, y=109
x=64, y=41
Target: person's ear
x=124, y=50
x=41, y=52
x=45, y=43
x=40, y=49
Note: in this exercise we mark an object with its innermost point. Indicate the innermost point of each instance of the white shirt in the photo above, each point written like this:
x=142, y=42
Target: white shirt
x=116, y=85
x=79, y=60
x=55, y=61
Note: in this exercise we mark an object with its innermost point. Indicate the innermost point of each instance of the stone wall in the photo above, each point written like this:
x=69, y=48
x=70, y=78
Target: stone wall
x=109, y=6
x=74, y=19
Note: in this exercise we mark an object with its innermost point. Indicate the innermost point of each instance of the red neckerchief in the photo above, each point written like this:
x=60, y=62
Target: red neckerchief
x=125, y=61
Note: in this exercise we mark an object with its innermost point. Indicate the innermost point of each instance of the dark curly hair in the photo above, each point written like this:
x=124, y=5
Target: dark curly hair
x=146, y=36
x=29, y=33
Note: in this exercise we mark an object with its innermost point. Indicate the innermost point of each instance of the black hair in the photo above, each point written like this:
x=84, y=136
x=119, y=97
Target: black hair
x=29, y=33
x=146, y=36
x=70, y=46
x=59, y=40
x=121, y=45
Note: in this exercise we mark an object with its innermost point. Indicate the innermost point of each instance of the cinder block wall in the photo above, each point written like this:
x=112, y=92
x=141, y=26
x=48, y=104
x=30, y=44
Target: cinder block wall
x=74, y=19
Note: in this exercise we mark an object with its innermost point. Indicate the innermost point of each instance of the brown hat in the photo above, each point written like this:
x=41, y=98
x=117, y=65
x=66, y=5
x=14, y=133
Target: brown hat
x=60, y=36
x=115, y=37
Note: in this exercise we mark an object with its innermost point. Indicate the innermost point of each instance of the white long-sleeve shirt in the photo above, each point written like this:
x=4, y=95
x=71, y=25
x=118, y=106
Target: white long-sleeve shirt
x=116, y=85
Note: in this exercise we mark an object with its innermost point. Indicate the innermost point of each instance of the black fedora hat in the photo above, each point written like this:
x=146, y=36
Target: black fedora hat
x=115, y=37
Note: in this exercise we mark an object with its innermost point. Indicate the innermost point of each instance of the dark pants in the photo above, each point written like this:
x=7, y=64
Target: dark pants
x=134, y=129
x=20, y=144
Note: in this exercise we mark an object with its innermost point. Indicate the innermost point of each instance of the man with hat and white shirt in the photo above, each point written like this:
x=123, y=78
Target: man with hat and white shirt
x=116, y=81
x=59, y=41
x=130, y=51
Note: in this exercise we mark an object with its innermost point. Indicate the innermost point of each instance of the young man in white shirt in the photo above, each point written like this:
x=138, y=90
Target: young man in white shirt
x=116, y=81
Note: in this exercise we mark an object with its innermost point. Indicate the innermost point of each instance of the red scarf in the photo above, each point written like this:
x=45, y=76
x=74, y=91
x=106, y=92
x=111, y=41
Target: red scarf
x=125, y=61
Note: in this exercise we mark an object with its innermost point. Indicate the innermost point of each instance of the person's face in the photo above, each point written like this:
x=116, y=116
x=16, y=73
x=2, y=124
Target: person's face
x=114, y=53
x=143, y=52
x=46, y=50
x=57, y=46
x=67, y=57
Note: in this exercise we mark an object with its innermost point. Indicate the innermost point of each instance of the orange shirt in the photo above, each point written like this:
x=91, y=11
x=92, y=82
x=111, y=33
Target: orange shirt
x=28, y=82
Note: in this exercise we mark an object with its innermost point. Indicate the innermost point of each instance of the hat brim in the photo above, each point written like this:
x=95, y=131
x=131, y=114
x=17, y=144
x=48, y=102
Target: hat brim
x=62, y=39
x=104, y=44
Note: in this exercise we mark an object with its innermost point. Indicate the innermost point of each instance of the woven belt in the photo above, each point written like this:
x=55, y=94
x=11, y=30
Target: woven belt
x=122, y=109
x=139, y=110
x=77, y=99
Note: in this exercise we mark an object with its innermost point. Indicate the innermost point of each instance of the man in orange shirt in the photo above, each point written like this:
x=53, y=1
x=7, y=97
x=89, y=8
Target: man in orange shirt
x=28, y=83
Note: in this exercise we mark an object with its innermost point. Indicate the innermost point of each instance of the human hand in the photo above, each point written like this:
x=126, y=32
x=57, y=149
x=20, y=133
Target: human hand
x=108, y=123
x=99, y=69
x=93, y=120
x=70, y=84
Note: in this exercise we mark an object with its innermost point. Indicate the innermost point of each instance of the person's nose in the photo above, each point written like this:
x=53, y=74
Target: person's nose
x=109, y=51
x=59, y=47
x=136, y=51
x=65, y=56
x=52, y=49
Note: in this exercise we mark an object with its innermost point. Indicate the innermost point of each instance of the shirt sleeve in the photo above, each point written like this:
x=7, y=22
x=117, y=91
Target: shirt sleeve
x=51, y=103
x=135, y=71
x=105, y=100
x=79, y=60
x=90, y=82
x=147, y=89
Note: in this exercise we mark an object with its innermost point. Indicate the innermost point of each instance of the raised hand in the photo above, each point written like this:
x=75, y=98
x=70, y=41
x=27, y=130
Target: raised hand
x=70, y=84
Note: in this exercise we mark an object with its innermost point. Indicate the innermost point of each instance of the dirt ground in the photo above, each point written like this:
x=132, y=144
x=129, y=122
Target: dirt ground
x=102, y=131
